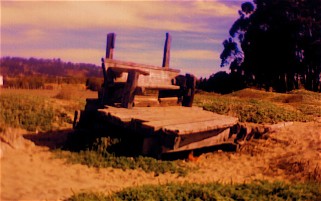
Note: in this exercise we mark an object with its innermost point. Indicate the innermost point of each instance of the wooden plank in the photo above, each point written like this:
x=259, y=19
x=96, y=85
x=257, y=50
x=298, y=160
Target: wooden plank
x=158, y=78
x=129, y=90
x=190, y=118
x=211, y=141
x=146, y=101
x=195, y=127
x=158, y=86
x=168, y=101
x=167, y=48
x=151, y=113
x=133, y=65
x=128, y=69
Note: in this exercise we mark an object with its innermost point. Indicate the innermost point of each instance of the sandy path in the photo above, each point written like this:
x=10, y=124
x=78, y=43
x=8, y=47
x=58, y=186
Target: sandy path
x=293, y=153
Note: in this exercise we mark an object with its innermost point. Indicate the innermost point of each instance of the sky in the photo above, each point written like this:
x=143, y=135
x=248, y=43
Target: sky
x=76, y=31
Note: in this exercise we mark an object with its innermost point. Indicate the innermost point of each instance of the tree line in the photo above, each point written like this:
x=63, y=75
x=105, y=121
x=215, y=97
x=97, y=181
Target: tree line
x=275, y=45
x=35, y=73
x=17, y=66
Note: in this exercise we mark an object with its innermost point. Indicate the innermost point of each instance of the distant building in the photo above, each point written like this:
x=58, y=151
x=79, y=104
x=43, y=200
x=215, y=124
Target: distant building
x=1, y=80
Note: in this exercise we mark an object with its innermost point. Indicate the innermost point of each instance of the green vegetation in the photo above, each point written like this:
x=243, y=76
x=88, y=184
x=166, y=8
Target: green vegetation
x=263, y=107
x=35, y=110
x=106, y=159
x=105, y=152
x=260, y=190
x=30, y=113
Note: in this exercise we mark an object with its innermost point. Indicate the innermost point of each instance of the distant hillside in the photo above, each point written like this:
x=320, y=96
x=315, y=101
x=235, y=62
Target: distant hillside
x=21, y=67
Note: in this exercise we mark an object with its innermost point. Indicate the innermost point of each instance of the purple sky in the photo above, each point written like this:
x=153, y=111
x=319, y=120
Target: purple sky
x=76, y=31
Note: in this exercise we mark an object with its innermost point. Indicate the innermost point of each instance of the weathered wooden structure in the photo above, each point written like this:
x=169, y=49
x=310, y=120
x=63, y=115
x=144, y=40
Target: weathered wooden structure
x=172, y=128
x=155, y=103
x=150, y=85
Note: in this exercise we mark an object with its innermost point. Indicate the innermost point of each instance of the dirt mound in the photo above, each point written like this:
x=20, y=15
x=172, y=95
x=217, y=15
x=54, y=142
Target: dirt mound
x=293, y=152
x=12, y=138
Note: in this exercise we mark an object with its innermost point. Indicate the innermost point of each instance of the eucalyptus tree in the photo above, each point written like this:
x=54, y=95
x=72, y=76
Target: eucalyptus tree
x=280, y=44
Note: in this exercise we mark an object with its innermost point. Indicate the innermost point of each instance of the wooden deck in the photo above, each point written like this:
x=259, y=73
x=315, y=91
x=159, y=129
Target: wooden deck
x=174, y=128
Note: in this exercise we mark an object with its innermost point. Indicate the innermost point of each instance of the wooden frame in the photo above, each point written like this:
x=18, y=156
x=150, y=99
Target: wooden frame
x=122, y=79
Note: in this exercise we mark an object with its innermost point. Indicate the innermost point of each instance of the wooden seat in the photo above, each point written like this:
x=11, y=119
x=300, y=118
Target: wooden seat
x=123, y=80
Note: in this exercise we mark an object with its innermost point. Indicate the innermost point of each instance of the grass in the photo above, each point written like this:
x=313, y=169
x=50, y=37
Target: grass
x=258, y=190
x=47, y=110
x=263, y=107
x=38, y=109
x=103, y=152
x=147, y=164
x=27, y=112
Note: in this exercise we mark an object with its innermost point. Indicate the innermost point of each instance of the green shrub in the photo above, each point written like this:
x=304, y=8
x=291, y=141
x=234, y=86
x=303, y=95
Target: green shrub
x=259, y=190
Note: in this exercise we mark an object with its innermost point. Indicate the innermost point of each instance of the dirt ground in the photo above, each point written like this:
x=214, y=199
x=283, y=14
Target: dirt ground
x=30, y=171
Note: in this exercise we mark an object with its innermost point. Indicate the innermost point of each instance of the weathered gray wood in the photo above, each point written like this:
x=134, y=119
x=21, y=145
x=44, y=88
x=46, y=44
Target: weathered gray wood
x=207, y=142
x=191, y=119
x=126, y=69
x=167, y=48
x=111, y=38
x=168, y=101
x=161, y=79
x=194, y=116
x=195, y=127
x=128, y=64
x=129, y=90
x=152, y=77
x=181, y=128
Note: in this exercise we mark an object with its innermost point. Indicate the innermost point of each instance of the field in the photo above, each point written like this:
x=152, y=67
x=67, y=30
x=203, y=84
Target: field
x=35, y=164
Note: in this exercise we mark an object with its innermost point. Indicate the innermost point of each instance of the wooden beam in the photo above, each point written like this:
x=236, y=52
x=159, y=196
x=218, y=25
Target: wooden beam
x=133, y=65
x=127, y=69
x=188, y=97
x=129, y=90
x=207, y=142
x=167, y=48
x=111, y=37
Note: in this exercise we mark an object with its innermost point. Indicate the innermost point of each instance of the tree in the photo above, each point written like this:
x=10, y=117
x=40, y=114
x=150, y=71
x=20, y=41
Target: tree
x=280, y=43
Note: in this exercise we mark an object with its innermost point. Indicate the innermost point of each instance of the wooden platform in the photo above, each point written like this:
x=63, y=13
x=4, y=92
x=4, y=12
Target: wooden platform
x=173, y=128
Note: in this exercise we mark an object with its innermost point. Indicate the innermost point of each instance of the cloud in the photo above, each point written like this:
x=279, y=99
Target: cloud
x=168, y=15
x=195, y=54
x=75, y=30
x=216, y=8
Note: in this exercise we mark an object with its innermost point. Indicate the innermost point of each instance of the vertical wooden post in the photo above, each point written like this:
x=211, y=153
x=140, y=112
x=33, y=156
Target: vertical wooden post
x=167, y=48
x=188, y=97
x=111, y=37
x=129, y=89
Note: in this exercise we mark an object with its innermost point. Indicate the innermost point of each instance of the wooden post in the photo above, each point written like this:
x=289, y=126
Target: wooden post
x=167, y=49
x=111, y=37
x=188, y=97
x=104, y=70
x=129, y=89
